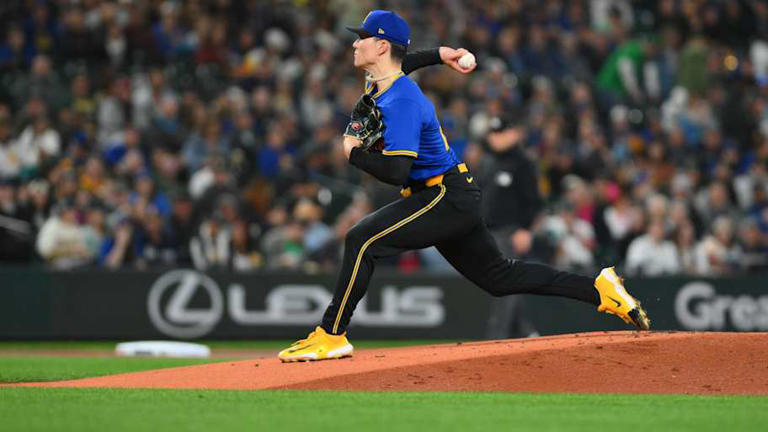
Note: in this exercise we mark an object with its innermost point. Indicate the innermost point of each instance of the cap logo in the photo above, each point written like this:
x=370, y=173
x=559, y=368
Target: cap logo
x=381, y=31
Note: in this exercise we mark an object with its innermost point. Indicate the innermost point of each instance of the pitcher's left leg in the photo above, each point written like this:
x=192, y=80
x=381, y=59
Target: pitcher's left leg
x=478, y=258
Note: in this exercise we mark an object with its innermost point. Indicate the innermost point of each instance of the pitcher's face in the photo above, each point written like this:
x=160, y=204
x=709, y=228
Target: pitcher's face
x=367, y=50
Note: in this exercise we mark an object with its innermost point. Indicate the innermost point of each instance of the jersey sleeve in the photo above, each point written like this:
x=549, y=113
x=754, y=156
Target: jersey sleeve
x=403, y=132
x=419, y=59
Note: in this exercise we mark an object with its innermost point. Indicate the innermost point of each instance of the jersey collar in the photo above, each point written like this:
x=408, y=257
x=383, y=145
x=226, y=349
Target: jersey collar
x=370, y=86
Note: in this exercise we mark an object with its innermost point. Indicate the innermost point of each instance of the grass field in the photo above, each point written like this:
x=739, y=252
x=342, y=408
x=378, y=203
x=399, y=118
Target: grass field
x=226, y=345
x=39, y=409
x=33, y=368
x=27, y=409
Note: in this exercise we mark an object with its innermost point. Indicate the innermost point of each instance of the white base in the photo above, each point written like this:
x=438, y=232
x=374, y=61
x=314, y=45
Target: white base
x=162, y=349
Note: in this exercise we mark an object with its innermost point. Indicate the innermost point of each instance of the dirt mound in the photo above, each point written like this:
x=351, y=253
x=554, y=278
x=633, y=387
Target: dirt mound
x=616, y=362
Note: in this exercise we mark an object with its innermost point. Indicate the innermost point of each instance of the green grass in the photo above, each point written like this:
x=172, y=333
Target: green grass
x=227, y=345
x=24, y=368
x=26, y=409
x=33, y=368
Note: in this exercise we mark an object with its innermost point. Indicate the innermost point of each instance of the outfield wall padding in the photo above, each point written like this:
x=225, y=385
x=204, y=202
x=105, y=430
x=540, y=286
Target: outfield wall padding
x=188, y=304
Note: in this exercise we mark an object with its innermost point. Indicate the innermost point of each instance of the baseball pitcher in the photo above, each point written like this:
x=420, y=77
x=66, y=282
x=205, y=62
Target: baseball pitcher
x=394, y=135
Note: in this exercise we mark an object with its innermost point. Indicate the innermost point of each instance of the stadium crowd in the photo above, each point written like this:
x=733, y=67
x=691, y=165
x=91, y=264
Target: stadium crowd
x=145, y=133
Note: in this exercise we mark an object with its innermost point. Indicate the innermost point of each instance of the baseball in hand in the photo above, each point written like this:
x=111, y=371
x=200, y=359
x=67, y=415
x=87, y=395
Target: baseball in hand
x=467, y=61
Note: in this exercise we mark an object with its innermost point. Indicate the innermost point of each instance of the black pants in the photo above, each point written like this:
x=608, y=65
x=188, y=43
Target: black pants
x=447, y=216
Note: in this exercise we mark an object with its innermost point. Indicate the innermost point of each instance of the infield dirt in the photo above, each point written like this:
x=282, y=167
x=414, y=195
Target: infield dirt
x=609, y=362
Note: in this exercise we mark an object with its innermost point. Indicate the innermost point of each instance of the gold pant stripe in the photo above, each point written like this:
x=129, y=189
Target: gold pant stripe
x=374, y=238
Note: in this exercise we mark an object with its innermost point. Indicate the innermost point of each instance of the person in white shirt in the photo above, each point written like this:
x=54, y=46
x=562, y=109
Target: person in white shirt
x=62, y=241
x=651, y=254
x=36, y=143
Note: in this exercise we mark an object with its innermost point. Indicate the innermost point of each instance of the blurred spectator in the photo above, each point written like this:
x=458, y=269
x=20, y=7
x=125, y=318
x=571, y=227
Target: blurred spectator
x=651, y=254
x=245, y=256
x=116, y=45
x=245, y=146
x=212, y=184
x=62, y=241
x=283, y=246
x=37, y=202
x=685, y=243
x=329, y=255
x=621, y=218
x=309, y=215
x=41, y=82
x=692, y=73
x=95, y=226
x=93, y=176
x=155, y=242
x=718, y=253
x=180, y=225
x=621, y=79
x=714, y=202
x=210, y=247
x=111, y=113
x=199, y=148
x=166, y=130
x=575, y=238
x=656, y=206
x=78, y=43
x=37, y=145
x=754, y=246
x=15, y=52
x=275, y=154
x=10, y=165
x=144, y=187
x=117, y=251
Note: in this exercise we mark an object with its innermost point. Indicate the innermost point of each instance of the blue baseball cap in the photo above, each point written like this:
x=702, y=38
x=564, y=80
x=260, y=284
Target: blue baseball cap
x=385, y=25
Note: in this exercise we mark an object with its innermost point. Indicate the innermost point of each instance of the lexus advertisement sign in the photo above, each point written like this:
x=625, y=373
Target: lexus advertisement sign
x=188, y=304
x=173, y=311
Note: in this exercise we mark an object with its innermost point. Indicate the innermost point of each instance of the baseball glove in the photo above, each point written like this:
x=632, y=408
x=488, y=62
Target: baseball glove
x=365, y=123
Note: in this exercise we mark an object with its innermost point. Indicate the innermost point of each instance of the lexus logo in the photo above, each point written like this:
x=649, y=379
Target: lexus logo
x=171, y=310
x=176, y=318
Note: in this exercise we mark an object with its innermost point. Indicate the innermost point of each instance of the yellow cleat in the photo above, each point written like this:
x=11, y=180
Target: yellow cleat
x=615, y=300
x=319, y=345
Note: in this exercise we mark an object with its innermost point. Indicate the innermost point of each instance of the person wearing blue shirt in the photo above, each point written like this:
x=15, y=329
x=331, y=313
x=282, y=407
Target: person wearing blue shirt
x=440, y=205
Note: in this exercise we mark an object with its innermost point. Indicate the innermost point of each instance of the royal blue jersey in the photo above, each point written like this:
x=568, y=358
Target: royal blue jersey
x=412, y=128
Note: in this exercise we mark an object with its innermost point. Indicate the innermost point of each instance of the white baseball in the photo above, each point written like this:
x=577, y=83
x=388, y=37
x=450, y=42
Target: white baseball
x=467, y=61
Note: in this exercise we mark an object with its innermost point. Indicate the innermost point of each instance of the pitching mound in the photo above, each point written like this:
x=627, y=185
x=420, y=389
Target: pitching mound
x=617, y=362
